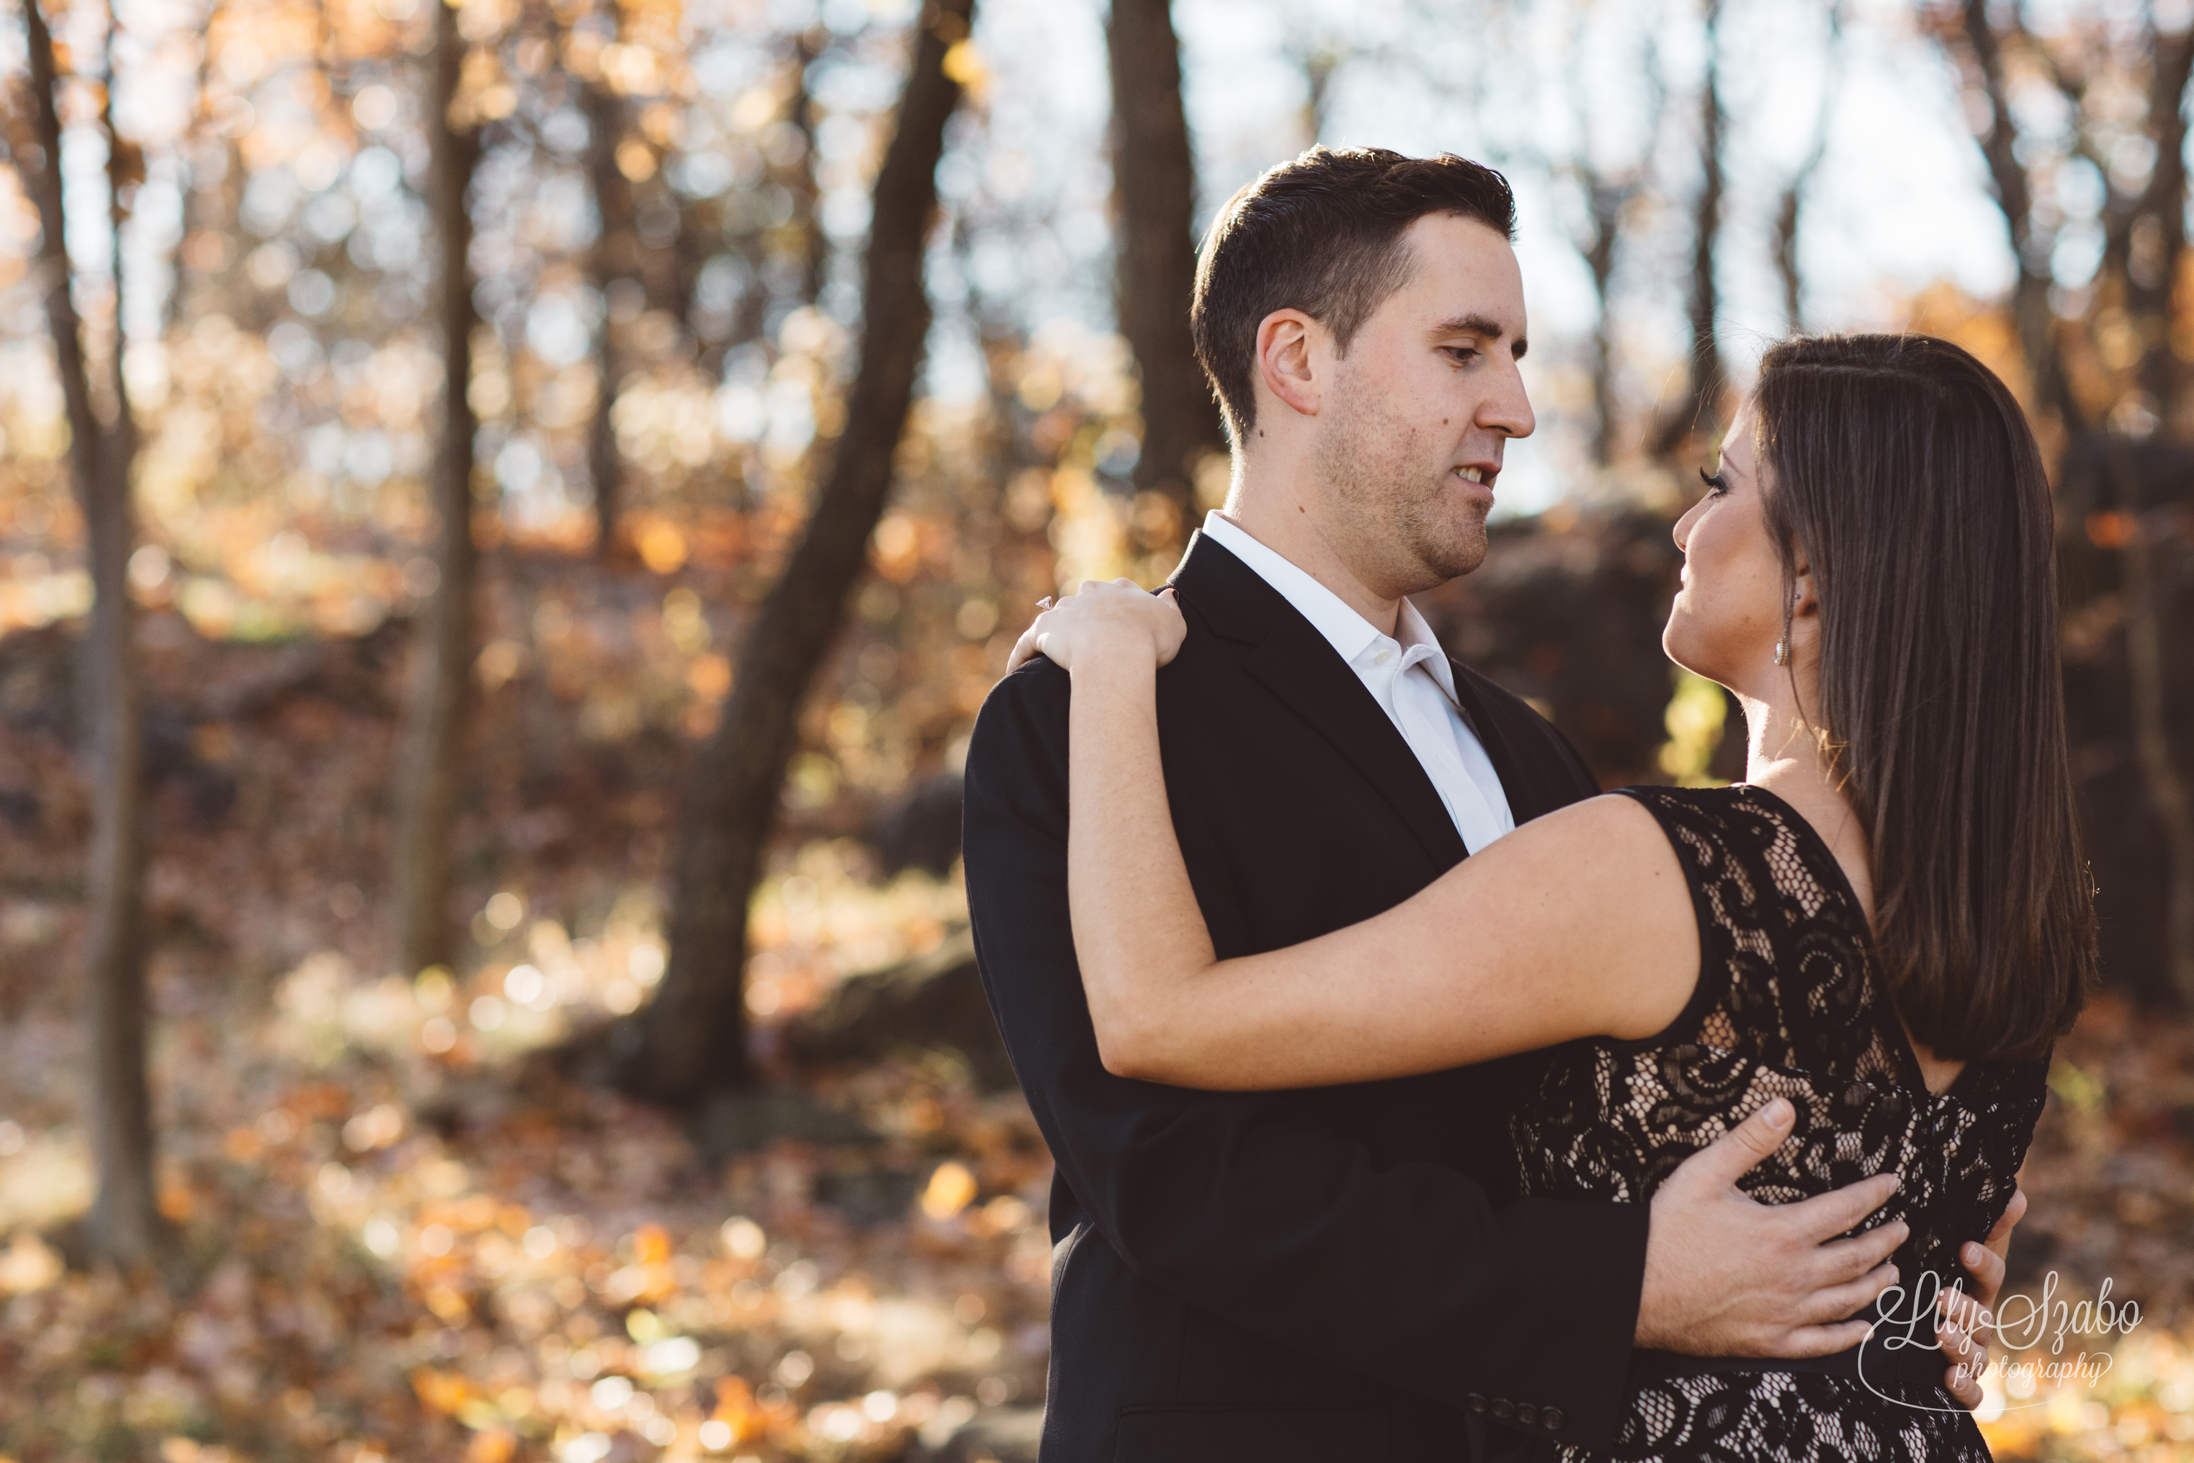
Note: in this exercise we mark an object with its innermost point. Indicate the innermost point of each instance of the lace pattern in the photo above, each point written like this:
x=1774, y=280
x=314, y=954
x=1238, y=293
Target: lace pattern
x=1789, y=1004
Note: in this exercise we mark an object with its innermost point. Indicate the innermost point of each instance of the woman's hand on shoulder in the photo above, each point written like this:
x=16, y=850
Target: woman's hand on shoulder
x=1104, y=620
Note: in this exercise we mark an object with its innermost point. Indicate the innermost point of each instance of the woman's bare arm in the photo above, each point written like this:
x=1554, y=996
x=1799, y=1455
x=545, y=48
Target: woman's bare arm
x=1578, y=924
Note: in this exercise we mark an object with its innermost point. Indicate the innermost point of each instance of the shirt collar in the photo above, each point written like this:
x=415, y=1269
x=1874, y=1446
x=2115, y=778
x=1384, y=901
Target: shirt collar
x=1415, y=632
x=1348, y=632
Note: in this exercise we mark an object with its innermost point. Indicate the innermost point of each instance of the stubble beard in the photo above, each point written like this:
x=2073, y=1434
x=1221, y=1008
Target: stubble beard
x=1399, y=503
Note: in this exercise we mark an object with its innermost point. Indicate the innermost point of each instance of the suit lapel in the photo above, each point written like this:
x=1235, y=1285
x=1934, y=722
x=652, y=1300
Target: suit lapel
x=1526, y=792
x=1293, y=661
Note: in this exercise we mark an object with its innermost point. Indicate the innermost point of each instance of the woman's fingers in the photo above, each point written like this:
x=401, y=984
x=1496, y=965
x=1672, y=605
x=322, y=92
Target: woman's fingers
x=1028, y=647
x=1112, y=614
x=1173, y=626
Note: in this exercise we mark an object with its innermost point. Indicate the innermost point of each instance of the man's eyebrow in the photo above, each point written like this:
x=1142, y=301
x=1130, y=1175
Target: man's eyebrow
x=1483, y=326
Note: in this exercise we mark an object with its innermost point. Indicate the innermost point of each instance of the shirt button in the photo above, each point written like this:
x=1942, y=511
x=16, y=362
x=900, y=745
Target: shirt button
x=1552, y=1419
x=1475, y=1401
x=1503, y=1408
x=1527, y=1414
x=1382, y=657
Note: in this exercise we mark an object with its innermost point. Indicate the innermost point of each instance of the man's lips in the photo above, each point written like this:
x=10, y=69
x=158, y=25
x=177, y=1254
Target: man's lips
x=1482, y=474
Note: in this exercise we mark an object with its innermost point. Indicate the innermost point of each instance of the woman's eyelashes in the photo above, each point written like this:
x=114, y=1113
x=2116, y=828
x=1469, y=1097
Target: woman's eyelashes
x=1716, y=483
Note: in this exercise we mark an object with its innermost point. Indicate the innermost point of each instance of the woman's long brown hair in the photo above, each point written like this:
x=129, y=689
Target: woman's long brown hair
x=1907, y=475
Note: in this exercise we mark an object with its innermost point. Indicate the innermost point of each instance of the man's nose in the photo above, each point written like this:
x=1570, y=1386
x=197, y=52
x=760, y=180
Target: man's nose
x=1508, y=409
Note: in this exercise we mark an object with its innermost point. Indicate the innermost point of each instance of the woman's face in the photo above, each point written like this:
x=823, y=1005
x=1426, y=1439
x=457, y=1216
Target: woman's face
x=1729, y=612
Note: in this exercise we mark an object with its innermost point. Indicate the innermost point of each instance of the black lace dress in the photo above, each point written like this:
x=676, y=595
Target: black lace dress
x=1789, y=1003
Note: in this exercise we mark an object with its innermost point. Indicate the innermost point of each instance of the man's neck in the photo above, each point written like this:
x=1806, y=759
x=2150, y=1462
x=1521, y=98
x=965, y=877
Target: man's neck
x=1289, y=527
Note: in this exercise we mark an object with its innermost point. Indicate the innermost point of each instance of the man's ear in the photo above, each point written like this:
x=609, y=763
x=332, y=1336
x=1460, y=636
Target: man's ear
x=1284, y=362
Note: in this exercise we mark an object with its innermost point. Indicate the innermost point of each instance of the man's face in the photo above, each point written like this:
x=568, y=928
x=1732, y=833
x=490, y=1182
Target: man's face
x=1420, y=408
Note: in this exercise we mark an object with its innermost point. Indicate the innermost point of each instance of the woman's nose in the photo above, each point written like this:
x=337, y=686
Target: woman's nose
x=1688, y=520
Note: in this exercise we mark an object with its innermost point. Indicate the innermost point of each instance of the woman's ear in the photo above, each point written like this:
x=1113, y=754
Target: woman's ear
x=1284, y=363
x=1804, y=604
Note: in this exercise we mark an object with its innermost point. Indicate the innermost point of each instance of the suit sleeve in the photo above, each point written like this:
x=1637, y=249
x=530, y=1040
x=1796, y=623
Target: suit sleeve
x=1244, y=1204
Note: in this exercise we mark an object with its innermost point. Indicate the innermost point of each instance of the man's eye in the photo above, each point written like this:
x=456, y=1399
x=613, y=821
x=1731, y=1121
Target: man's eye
x=1463, y=354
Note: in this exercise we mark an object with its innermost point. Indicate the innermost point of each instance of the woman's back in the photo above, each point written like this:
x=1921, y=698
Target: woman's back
x=1789, y=1003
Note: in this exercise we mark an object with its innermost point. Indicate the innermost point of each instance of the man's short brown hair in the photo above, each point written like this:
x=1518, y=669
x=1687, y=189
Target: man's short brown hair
x=1322, y=233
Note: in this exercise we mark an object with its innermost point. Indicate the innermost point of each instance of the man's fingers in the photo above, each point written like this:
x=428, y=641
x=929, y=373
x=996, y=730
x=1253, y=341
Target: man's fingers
x=1822, y=1340
x=1847, y=1259
x=1961, y=1309
x=1986, y=1267
x=1986, y=1261
x=1839, y=1301
x=1999, y=1238
x=1963, y=1335
x=1968, y=1363
x=1824, y=1216
x=1963, y=1347
x=1963, y=1385
x=1738, y=1150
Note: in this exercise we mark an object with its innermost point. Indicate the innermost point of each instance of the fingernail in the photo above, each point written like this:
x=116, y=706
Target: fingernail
x=1973, y=1254
x=1778, y=1114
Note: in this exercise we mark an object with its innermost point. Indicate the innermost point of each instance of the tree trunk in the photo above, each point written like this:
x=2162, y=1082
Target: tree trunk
x=2145, y=672
x=807, y=190
x=442, y=656
x=2015, y=199
x=691, y=1039
x=606, y=262
x=124, y=1224
x=1700, y=411
x=1607, y=198
x=1154, y=191
x=2151, y=273
x=1791, y=207
x=1606, y=204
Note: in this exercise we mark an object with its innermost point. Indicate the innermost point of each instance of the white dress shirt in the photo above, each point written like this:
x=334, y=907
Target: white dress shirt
x=1408, y=676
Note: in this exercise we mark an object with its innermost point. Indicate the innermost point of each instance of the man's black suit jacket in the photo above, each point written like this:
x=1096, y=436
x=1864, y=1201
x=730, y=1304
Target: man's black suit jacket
x=1326, y=1274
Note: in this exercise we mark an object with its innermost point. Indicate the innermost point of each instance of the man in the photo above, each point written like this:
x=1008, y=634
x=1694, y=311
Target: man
x=1341, y=1274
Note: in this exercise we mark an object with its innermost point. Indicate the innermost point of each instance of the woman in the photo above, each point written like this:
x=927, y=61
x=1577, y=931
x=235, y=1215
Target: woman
x=1887, y=924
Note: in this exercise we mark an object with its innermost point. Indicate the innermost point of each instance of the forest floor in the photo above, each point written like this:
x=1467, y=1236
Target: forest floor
x=408, y=1237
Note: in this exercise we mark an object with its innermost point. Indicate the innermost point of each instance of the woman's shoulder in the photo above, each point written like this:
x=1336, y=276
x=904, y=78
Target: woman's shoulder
x=1734, y=802
x=1714, y=826
x=1762, y=875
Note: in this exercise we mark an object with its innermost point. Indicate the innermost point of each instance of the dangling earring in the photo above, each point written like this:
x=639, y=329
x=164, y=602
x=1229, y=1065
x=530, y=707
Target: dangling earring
x=1782, y=652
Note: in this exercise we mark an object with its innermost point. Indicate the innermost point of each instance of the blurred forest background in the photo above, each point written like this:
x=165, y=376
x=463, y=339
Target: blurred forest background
x=508, y=512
